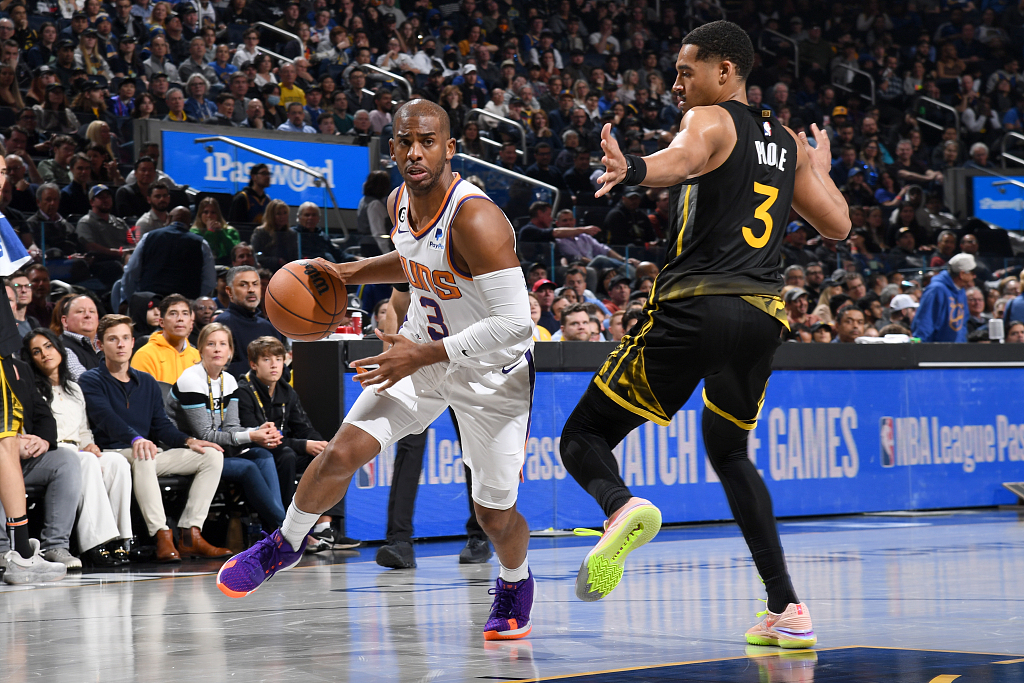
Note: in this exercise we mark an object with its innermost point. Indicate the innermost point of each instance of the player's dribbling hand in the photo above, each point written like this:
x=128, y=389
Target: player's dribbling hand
x=614, y=163
x=820, y=156
x=403, y=358
x=332, y=267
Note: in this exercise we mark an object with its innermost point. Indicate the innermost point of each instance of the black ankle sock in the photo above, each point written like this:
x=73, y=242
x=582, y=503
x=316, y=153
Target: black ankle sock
x=751, y=506
x=17, y=533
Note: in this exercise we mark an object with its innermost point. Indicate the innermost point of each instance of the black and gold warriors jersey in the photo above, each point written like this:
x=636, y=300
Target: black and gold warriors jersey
x=728, y=224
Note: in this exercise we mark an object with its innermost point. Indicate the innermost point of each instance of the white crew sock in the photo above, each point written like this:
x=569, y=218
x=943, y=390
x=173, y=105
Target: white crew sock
x=297, y=525
x=322, y=526
x=514, y=575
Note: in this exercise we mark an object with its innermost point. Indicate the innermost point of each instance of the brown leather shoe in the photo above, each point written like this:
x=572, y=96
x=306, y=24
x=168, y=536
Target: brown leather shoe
x=165, y=550
x=194, y=545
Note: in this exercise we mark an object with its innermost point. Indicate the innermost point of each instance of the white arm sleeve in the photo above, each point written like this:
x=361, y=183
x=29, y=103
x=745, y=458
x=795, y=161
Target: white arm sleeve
x=508, y=319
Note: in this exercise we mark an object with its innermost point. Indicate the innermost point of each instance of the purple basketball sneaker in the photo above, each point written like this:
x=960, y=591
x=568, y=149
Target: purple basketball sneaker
x=246, y=571
x=510, y=611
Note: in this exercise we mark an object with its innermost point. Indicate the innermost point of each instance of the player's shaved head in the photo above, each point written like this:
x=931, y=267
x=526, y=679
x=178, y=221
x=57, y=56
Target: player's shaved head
x=420, y=108
x=422, y=146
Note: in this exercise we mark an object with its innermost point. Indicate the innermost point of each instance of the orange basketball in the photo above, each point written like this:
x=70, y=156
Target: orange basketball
x=306, y=301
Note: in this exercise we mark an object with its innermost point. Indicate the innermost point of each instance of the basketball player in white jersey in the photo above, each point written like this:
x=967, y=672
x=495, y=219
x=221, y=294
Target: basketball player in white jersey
x=467, y=343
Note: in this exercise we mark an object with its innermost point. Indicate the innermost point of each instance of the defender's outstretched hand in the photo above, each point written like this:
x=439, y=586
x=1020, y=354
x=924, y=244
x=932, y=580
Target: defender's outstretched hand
x=614, y=162
x=820, y=156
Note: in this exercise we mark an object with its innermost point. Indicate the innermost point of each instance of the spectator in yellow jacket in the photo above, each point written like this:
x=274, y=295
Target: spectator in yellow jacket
x=167, y=354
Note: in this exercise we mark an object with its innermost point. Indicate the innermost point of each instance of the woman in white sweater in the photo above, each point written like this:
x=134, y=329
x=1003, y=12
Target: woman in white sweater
x=104, y=526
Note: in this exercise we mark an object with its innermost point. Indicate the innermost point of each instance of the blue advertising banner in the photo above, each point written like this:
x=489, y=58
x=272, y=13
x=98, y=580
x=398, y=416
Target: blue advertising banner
x=226, y=168
x=827, y=442
x=1001, y=204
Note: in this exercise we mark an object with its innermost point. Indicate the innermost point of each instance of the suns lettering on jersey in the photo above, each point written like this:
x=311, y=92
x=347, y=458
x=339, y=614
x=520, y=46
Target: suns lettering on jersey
x=770, y=154
x=438, y=282
x=444, y=285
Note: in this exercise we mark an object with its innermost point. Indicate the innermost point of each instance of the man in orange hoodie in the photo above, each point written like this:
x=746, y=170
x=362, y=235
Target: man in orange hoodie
x=167, y=353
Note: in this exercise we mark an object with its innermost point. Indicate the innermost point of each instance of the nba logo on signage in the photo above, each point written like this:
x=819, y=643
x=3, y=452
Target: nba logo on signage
x=366, y=476
x=887, y=439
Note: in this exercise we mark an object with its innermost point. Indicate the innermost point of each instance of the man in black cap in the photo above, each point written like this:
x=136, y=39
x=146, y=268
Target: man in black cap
x=626, y=224
x=177, y=42
x=186, y=11
x=159, y=84
x=65, y=64
x=290, y=21
x=79, y=22
x=94, y=107
x=435, y=83
x=652, y=126
x=576, y=69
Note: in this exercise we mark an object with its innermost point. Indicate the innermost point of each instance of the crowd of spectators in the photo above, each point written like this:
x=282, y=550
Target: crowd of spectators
x=113, y=402
x=75, y=76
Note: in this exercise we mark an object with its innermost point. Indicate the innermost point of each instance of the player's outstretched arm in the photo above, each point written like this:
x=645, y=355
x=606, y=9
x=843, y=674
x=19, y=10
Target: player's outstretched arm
x=815, y=195
x=702, y=132
x=386, y=269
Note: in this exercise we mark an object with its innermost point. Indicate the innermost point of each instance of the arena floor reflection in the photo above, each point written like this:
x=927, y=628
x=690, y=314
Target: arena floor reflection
x=894, y=598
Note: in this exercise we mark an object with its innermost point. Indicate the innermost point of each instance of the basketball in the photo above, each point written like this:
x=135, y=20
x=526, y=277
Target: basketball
x=306, y=301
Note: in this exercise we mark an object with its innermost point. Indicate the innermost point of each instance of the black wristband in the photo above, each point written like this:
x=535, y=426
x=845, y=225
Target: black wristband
x=636, y=170
x=401, y=286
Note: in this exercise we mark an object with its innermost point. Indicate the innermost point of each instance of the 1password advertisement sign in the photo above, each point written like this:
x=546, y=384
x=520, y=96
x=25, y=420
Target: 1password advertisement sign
x=220, y=167
x=827, y=442
x=998, y=202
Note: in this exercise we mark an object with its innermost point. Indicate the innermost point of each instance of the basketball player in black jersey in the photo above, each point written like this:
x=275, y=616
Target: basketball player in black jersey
x=714, y=314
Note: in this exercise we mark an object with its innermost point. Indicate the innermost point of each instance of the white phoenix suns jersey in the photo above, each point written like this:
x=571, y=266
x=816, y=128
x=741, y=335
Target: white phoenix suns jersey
x=445, y=299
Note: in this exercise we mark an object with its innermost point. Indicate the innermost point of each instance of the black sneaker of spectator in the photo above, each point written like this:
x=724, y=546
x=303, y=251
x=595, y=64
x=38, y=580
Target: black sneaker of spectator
x=477, y=551
x=397, y=555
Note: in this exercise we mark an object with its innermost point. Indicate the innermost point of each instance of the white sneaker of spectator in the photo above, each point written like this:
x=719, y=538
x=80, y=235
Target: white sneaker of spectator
x=35, y=569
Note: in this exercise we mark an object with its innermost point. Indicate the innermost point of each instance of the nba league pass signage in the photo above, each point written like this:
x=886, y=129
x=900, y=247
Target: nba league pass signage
x=226, y=168
x=827, y=442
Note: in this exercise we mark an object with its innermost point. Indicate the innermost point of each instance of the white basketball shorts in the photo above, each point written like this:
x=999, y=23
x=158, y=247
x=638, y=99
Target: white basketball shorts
x=492, y=406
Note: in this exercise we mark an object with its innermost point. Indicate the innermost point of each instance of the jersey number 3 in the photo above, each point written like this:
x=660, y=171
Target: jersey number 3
x=437, y=329
x=761, y=214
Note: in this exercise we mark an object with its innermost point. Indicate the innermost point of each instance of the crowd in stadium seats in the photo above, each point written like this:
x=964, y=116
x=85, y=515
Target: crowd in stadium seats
x=883, y=80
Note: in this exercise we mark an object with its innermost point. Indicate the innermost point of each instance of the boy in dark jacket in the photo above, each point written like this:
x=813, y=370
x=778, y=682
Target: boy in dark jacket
x=263, y=397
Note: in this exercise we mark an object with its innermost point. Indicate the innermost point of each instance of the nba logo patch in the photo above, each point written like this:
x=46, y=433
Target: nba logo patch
x=366, y=476
x=767, y=129
x=887, y=440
